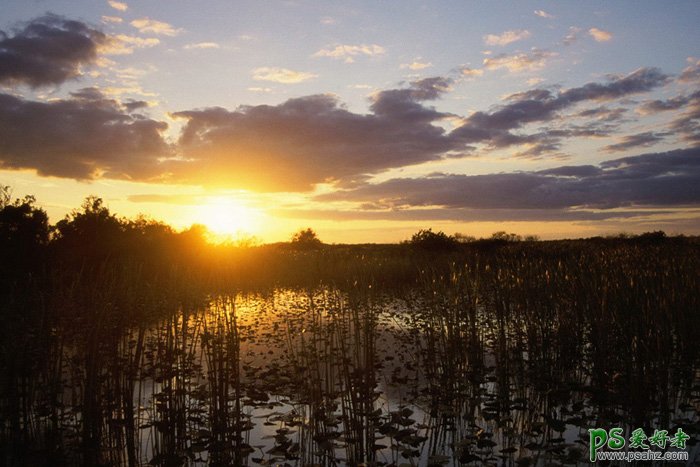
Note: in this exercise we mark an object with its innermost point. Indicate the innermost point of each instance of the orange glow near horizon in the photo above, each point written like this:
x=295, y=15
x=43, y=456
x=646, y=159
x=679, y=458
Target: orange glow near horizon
x=228, y=218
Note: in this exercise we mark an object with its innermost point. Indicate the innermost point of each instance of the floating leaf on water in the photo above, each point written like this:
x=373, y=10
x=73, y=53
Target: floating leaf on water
x=485, y=443
x=438, y=459
x=556, y=425
x=468, y=457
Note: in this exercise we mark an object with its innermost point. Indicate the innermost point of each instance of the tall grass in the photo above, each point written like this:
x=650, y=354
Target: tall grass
x=350, y=356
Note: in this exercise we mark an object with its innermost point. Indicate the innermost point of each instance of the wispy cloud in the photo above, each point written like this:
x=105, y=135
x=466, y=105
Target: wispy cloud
x=506, y=37
x=152, y=26
x=645, y=139
x=122, y=44
x=120, y=6
x=281, y=75
x=691, y=73
x=543, y=14
x=347, y=52
x=328, y=20
x=534, y=60
x=202, y=45
x=416, y=65
x=497, y=128
x=111, y=19
x=572, y=35
x=470, y=72
x=600, y=35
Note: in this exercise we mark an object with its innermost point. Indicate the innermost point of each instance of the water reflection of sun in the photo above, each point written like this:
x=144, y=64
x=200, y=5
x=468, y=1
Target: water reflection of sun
x=229, y=217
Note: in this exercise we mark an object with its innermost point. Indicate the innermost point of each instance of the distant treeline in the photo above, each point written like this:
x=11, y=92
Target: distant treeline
x=92, y=238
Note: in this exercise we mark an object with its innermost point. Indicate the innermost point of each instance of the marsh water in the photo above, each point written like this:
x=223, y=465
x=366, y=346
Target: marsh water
x=475, y=364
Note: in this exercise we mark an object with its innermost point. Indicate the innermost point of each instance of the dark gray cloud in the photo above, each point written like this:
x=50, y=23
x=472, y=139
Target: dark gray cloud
x=86, y=137
x=573, y=171
x=656, y=106
x=308, y=140
x=302, y=142
x=604, y=114
x=645, y=139
x=666, y=179
x=687, y=124
x=540, y=105
x=47, y=50
x=463, y=214
x=133, y=105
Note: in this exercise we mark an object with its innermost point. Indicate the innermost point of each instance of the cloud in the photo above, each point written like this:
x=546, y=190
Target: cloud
x=657, y=179
x=306, y=141
x=87, y=136
x=691, y=74
x=122, y=44
x=202, y=45
x=111, y=19
x=674, y=103
x=260, y=89
x=645, y=139
x=416, y=65
x=152, y=26
x=120, y=6
x=310, y=140
x=572, y=35
x=48, y=50
x=461, y=214
x=604, y=114
x=281, y=75
x=132, y=105
x=347, y=52
x=599, y=35
x=470, y=72
x=535, y=60
x=495, y=128
x=506, y=37
x=687, y=124
x=328, y=20
x=543, y=14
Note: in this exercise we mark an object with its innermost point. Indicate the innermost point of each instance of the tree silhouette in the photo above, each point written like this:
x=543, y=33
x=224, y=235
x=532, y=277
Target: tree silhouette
x=306, y=239
x=24, y=234
x=433, y=241
x=91, y=234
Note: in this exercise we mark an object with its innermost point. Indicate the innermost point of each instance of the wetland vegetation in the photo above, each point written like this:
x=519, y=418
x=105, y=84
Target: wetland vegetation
x=125, y=343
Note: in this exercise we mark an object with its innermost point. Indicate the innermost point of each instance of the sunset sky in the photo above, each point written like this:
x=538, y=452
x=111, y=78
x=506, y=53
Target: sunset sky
x=364, y=120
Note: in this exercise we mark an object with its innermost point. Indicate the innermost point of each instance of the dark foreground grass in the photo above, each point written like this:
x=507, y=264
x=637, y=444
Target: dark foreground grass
x=488, y=353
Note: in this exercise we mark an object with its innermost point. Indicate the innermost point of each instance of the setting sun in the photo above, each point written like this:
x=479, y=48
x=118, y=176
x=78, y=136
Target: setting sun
x=227, y=217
